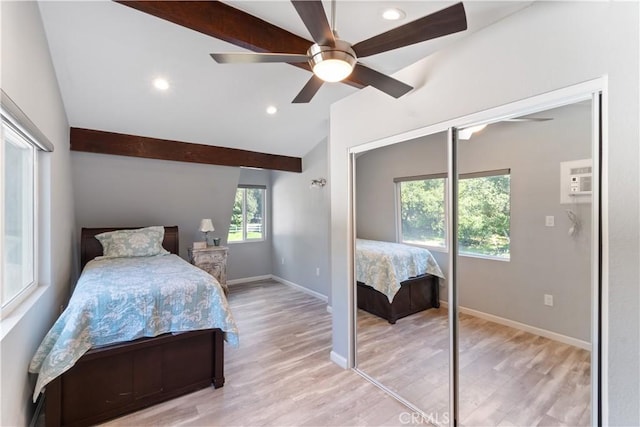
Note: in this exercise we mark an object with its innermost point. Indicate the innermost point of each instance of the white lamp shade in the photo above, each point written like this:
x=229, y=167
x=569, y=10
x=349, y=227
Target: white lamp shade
x=206, y=225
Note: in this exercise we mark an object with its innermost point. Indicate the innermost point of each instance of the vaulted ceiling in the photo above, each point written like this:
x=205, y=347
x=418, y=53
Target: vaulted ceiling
x=106, y=56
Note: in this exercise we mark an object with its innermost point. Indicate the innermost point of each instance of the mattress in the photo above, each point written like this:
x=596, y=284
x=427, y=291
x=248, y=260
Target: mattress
x=123, y=299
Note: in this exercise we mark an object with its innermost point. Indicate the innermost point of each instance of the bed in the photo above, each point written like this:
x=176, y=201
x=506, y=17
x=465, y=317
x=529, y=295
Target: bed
x=395, y=280
x=176, y=347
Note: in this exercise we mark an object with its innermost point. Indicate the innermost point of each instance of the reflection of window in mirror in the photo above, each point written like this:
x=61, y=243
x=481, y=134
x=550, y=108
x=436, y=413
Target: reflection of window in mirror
x=421, y=207
x=484, y=212
x=483, y=207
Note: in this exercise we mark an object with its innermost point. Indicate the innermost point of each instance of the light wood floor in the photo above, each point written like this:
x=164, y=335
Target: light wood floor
x=280, y=375
x=507, y=377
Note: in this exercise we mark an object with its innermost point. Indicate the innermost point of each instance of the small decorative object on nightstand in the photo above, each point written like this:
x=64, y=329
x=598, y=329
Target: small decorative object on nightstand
x=213, y=260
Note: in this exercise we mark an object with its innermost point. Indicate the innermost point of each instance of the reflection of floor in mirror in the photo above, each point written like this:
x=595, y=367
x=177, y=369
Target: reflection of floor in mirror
x=507, y=377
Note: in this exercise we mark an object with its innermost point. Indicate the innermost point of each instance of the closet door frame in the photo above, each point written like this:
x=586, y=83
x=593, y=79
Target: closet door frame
x=595, y=90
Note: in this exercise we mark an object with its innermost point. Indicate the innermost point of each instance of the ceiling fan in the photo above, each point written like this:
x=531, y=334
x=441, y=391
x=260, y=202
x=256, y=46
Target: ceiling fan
x=333, y=59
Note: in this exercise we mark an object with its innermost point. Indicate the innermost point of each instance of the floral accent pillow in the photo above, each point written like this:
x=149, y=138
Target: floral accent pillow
x=132, y=243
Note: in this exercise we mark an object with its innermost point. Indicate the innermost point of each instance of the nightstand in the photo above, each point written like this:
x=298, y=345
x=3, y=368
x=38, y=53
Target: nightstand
x=213, y=260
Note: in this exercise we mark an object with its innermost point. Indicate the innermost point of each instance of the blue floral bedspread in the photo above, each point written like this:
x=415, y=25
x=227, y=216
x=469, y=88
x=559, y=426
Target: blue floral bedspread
x=383, y=265
x=123, y=299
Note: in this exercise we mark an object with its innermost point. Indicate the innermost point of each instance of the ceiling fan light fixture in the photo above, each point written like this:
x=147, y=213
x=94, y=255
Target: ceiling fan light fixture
x=467, y=133
x=332, y=70
x=332, y=64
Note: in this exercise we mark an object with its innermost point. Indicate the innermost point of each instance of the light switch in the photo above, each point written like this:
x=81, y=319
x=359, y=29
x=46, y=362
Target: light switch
x=548, y=300
x=549, y=221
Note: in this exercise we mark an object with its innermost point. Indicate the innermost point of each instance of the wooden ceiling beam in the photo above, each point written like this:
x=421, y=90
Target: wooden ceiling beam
x=96, y=141
x=229, y=24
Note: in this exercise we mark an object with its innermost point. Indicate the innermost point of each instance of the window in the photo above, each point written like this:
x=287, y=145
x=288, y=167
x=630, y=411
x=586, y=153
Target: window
x=247, y=220
x=422, y=217
x=18, y=217
x=483, y=212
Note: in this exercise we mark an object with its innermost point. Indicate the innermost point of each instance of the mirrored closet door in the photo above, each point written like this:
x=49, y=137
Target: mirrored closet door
x=402, y=329
x=499, y=324
x=524, y=269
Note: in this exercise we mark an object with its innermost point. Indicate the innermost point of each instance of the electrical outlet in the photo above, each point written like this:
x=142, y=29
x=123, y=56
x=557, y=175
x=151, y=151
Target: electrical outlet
x=548, y=300
x=318, y=271
x=282, y=261
x=549, y=221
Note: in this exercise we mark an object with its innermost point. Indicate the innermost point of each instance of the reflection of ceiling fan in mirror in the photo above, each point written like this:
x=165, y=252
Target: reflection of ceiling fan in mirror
x=528, y=119
x=333, y=59
x=465, y=134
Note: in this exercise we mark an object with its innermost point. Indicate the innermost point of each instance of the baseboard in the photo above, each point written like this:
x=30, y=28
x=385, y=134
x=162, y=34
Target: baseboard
x=301, y=288
x=249, y=279
x=338, y=360
x=523, y=327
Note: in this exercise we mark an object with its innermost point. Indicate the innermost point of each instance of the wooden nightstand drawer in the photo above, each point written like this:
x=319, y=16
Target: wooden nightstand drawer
x=213, y=260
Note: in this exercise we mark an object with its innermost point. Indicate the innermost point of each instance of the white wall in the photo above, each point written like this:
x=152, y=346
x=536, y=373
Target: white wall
x=115, y=191
x=543, y=260
x=548, y=46
x=128, y=191
x=28, y=77
x=301, y=224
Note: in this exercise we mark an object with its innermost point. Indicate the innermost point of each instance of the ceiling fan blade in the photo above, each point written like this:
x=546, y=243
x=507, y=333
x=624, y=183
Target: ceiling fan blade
x=308, y=91
x=380, y=81
x=446, y=21
x=213, y=17
x=315, y=19
x=251, y=58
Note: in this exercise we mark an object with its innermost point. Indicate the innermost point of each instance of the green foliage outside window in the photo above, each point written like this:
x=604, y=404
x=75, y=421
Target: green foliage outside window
x=484, y=211
x=247, y=218
x=422, y=212
x=483, y=208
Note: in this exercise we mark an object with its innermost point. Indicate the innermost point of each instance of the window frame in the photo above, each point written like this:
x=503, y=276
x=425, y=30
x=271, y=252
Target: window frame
x=487, y=174
x=13, y=124
x=480, y=174
x=398, y=183
x=244, y=188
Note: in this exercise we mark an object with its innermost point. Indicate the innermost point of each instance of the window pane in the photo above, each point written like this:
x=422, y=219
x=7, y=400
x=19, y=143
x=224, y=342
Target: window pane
x=18, y=215
x=254, y=207
x=422, y=216
x=484, y=215
x=235, y=228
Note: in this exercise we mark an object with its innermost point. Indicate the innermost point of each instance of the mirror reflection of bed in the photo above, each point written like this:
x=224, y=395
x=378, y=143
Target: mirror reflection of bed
x=410, y=357
x=524, y=299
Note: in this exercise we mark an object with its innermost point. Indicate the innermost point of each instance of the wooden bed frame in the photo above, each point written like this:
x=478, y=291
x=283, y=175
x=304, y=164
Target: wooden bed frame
x=114, y=380
x=415, y=294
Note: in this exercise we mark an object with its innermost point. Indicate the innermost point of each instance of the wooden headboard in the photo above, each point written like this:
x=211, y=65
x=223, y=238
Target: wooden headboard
x=90, y=247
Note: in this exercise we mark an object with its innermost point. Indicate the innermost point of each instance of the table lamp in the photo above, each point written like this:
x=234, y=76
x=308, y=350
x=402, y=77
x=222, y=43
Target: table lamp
x=206, y=226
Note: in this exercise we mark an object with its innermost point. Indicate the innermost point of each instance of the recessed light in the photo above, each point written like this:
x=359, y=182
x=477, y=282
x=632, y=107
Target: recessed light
x=393, y=14
x=271, y=109
x=160, y=83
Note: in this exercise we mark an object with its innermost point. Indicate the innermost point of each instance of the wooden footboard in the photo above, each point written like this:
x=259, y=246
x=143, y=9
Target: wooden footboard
x=416, y=294
x=115, y=380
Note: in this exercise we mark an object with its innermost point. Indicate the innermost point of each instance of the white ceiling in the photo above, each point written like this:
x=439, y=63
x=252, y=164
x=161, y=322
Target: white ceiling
x=106, y=56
